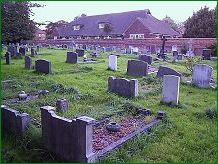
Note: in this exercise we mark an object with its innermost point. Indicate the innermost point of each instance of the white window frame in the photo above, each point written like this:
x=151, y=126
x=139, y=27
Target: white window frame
x=101, y=25
x=76, y=28
x=136, y=36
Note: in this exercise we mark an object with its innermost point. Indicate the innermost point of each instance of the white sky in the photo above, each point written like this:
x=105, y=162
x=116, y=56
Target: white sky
x=54, y=11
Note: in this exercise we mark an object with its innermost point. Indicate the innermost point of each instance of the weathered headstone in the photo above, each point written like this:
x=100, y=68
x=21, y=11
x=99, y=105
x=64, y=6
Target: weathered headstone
x=201, y=75
x=62, y=105
x=43, y=66
x=28, y=62
x=206, y=54
x=170, y=92
x=13, y=121
x=146, y=58
x=8, y=58
x=175, y=55
x=137, y=68
x=123, y=87
x=22, y=51
x=80, y=52
x=112, y=63
x=33, y=52
x=71, y=57
x=167, y=71
x=37, y=48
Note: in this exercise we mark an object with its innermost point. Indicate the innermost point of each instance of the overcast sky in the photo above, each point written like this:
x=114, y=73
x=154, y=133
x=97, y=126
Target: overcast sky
x=54, y=11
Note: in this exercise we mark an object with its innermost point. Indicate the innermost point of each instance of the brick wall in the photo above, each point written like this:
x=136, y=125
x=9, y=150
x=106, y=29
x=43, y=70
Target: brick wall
x=197, y=43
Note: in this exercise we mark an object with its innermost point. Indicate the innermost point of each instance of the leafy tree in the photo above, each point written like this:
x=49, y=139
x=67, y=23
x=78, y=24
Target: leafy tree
x=202, y=24
x=171, y=22
x=16, y=22
x=52, y=28
x=107, y=28
x=82, y=15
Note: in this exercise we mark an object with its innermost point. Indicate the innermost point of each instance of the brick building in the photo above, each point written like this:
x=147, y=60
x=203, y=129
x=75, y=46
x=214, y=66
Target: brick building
x=138, y=24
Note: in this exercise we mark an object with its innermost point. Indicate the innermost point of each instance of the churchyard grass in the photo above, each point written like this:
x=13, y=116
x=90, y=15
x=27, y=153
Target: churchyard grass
x=187, y=135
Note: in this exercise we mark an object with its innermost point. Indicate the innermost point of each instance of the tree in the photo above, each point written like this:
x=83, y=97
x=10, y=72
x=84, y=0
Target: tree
x=16, y=22
x=82, y=15
x=171, y=22
x=107, y=28
x=201, y=24
x=52, y=28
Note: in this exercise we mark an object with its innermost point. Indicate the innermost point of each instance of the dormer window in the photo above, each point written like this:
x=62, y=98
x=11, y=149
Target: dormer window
x=76, y=27
x=101, y=25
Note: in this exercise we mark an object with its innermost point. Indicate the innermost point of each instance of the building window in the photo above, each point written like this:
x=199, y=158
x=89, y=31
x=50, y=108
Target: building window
x=136, y=36
x=76, y=27
x=101, y=25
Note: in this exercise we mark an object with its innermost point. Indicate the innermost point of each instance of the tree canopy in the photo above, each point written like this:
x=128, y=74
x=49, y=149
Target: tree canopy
x=16, y=22
x=202, y=24
x=51, y=28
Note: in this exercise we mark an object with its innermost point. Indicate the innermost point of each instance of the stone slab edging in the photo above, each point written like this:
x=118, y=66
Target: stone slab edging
x=123, y=140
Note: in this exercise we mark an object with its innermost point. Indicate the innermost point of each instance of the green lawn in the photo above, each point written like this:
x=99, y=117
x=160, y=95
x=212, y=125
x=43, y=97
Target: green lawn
x=187, y=135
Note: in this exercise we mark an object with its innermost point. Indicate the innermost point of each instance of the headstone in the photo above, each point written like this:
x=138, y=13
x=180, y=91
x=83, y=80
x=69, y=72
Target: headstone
x=174, y=48
x=179, y=57
x=206, y=54
x=71, y=57
x=128, y=51
x=123, y=87
x=62, y=105
x=137, y=68
x=22, y=50
x=37, y=48
x=80, y=52
x=8, y=58
x=146, y=58
x=170, y=92
x=112, y=63
x=33, y=52
x=43, y=66
x=175, y=55
x=28, y=62
x=167, y=71
x=190, y=53
x=201, y=75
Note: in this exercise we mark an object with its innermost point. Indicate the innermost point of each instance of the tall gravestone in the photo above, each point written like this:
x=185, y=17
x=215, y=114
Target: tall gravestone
x=167, y=71
x=206, y=54
x=22, y=51
x=33, y=52
x=170, y=92
x=145, y=58
x=80, y=52
x=112, y=63
x=71, y=57
x=8, y=58
x=175, y=55
x=201, y=75
x=43, y=66
x=137, y=68
x=28, y=62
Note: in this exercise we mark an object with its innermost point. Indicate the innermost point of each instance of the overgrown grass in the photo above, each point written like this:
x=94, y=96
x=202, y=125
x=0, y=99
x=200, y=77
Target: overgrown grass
x=188, y=135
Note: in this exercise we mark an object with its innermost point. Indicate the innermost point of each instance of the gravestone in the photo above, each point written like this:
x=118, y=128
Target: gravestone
x=28, y=62
x=146, y=58
x=170, y=92
x=8, y=58
x=202, y=75
x=175, y=55
x=43, y=66
x=137, y=68
x=206, y=54
x=112, y=63
x=62, y=105
x=37, y=48
x=190, y=53
x=128, y=51
x=71, y=57
x=123, y=87
x=162, y=54
x=179, y=57
x=33, y=52
x=167, y=71
x=174, y=48
x=22, y=51
x=80, y=52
